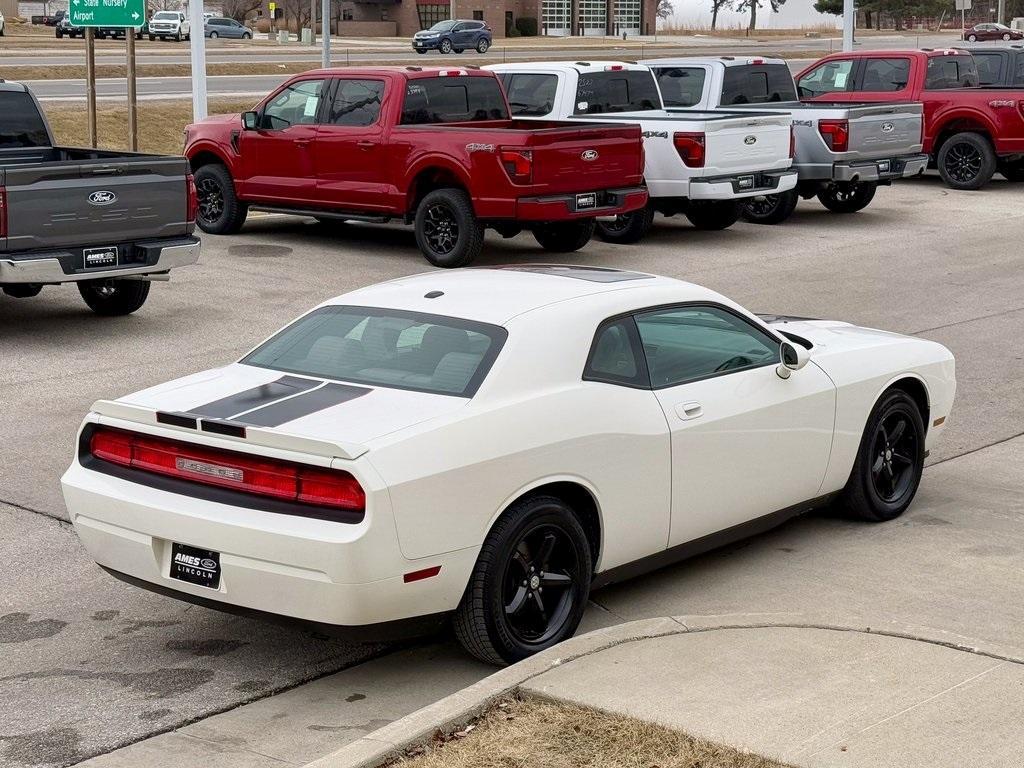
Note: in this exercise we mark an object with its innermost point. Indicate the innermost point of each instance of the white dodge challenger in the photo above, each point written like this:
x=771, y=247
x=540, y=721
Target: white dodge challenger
x=488, y=445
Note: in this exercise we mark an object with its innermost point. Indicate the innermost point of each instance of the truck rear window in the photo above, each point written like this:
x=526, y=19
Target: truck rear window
x=622, y=91
x=681, y=86
x=946, y=72
x=989, y=66
x=453, y=100
x=757, y=84
x=22, y=125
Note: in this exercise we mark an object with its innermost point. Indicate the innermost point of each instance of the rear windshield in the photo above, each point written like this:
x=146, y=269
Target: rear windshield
x=951, y=72
x=624, y=91
x=681, y=86
x=22, y=125
x=757, y=84
x=385, y=347
x=453, y=100
x=165, y=16
x=530, y=94
x=989, y=66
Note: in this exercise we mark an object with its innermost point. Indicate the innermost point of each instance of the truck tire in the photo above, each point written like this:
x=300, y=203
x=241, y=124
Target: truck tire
x=769, y=209
x=564, y=236
x=111, y=298
x=1012, y=171
x=23, y=290
x=447, y=231
x=712, y=215
x=627, y=228
x=848, y=197
x=220, y=210
x=152, y=38
x=966, y=161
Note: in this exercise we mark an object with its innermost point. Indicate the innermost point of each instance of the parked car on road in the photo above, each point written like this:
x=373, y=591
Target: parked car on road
x=488, y=445
x=227, y=28
x=65, y=28
x=53, y=19
x=992, y=31
x=434, y=147
x=456, y=35
x=842, y=151
x=701, y=163
x=1002, y=66
x=109, y=222
x=169, y=24
x=970, y=131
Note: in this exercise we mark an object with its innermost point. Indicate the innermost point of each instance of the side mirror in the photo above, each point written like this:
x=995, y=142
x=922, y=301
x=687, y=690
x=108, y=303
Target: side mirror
x=250, y=120
x=794, y=357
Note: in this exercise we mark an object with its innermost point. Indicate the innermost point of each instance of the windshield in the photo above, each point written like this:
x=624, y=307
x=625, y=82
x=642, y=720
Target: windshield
x=164, y=16
x=442, y=26
x=385, y=347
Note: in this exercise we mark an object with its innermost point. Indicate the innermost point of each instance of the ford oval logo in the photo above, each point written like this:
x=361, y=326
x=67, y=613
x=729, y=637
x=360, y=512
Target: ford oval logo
x=888, y=127
x=102, y=197
x=750, y=140
x=208, y=564
x=589, y=155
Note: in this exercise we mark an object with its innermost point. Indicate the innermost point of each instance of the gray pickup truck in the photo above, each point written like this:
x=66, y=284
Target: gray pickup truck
x=842, y=151
x=110, y=222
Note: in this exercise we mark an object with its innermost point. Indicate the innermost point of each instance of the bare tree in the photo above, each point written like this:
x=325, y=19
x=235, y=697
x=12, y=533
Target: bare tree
x=665, y=9
x=753, y=5
x=716, y=6
x=239, y=10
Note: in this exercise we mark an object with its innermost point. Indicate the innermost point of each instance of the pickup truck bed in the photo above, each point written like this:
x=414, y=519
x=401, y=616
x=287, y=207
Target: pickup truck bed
x=108, y=221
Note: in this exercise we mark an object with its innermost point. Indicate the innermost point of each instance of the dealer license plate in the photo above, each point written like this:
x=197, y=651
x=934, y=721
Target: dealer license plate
x=97, y=258
x=194, y=565
x=883, y=166
x=585, y=201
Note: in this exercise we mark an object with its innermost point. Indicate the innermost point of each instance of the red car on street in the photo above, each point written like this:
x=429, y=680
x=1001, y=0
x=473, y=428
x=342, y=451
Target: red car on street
x=992, y=32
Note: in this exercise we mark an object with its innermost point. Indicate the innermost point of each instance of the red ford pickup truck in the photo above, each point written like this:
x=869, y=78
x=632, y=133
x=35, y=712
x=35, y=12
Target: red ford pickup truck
x=970, y=131
x=434, y=147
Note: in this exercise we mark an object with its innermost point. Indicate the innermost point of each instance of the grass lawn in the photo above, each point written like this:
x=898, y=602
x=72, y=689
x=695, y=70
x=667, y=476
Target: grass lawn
x=534, y=733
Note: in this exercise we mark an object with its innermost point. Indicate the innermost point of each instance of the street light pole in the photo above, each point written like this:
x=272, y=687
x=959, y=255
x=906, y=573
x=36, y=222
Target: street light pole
x=849, y=20
x=325, y=32
x=197, y=43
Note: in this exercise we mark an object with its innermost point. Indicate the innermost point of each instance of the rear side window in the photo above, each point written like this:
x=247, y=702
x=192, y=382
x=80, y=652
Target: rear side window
x=946, y=72
x=601, y=93
x=681, y=86
x=615, y=357
x=757, y=84
x=989, y=66
x=356, y=102
x=22, y=125
x=452, y=100
x=886, y=75
x=830, y=77
x=531, y=95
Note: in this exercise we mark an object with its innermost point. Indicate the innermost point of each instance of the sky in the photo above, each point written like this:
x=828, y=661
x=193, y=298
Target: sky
x=794, y=14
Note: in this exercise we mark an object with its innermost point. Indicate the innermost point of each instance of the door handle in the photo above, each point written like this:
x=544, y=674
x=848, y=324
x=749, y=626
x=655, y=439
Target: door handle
x=302, y=143
x=691, y=410
x=365, y=144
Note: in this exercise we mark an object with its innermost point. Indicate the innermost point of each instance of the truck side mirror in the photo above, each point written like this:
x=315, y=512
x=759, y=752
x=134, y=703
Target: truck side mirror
x=793, y=359
x=250, y=120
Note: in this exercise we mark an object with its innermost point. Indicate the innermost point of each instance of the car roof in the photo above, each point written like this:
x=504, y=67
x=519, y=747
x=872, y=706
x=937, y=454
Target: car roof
x=562, y=66
x=497, y=294
x=729, y=61
x=408, y=72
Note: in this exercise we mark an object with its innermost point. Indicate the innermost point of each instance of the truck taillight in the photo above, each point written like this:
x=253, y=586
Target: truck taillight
x=792, y=142
x=518, y=164
x=3, y=212
x=256, y=475
x=690, y=147
x=193, y=198
x=836, y=134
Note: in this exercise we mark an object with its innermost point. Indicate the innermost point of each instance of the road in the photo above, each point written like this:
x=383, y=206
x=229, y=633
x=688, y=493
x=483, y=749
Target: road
x=90, y=664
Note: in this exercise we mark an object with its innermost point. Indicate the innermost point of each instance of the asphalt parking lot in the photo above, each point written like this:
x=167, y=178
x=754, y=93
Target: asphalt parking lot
x=90, y=665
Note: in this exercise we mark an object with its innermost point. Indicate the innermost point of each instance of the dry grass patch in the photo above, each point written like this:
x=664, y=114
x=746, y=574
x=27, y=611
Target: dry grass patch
x=161, y=124
x=533, y=733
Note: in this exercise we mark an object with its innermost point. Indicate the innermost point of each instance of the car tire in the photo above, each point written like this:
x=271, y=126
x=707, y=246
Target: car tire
x=59, y=34
x=627, y=228
x=1006, y=37
x=966, y=161
x=769, y=209
x=445, y=46
x=220, y=210
x=713, y=215
x=152, y=38
x=177, y=36
x=1012, y=171
x=482, y=46
x=421, y=51
x=886, y=448
x=448, y=232
x=564, y=236
x=972, y=38
x=541, y=533
x=213, y=35
x=848, y=197
x=112, y=298
x=246, y=36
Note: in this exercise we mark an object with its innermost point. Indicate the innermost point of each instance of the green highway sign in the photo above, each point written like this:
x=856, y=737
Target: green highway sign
x=107, y=13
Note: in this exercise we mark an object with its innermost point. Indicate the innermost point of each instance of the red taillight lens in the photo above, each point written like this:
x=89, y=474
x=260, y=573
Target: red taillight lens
x=3, y=212
x=690, y=147
x=518, y=164
x=792, y=143
x=193, y=198
x=836, y=134
x=285, y=480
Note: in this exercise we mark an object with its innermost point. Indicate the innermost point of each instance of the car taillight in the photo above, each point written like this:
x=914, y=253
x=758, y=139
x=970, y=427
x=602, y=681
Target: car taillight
x=3, y=212
x=257, y=475
x=518, y=164
x=792, y=142
x=193, y=198
x=836, y=134
x=690, y=147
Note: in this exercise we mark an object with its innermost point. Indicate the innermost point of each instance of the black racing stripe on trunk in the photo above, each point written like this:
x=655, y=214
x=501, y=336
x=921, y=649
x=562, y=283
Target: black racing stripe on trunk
x=264, y=394
x=295, y=408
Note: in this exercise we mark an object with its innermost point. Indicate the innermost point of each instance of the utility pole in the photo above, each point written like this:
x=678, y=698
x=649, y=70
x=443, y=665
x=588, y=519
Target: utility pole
x=1001, y=13
x=325, y=32
x=133, y=96
x=197, y=42
x=849, y=21
x=90, y=82
x=312, y=22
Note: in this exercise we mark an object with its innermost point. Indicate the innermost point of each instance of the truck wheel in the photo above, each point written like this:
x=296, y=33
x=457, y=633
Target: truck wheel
x=966, y=161
x=114, y=297
x=220, y=210
x=152, y=38
x=628, y=227
x=23, y=290
x=848, y=197
x=769, y=209
x=1012, y=171
x=446, y=46
x=564, y=236
x=713, y=215
x=447, y=230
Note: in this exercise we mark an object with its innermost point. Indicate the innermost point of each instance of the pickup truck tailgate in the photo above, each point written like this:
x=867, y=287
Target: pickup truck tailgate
x=885, y=129
x=580, y=159
x=740, y=144
x=80, y=201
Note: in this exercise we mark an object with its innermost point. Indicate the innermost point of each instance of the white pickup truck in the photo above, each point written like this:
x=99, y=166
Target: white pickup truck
x=843, y=150
x=699, y=163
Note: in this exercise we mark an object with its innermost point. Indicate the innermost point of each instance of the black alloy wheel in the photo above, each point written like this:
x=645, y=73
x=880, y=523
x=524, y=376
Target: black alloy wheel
x=447, y=231
x=211, y=199
x=220, y=212
x=769, y=209
x=441, y=228
x=848, y=196
x=627, y=228
x=963, y=163
x=966, y=161
x=894, y=451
